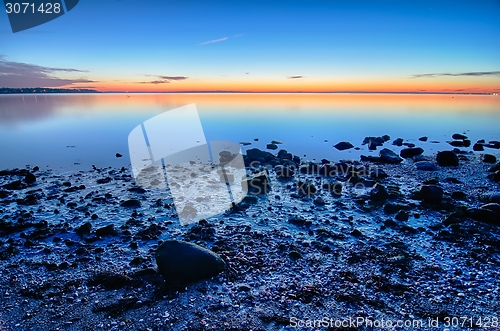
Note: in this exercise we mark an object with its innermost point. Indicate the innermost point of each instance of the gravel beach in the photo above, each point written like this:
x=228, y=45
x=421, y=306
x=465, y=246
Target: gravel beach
x=345, y=245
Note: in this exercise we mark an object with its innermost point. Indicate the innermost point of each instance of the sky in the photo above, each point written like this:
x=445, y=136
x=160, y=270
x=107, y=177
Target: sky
x=260, y=46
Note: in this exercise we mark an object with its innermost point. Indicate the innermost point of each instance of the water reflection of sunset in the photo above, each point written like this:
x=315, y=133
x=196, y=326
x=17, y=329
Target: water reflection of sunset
x=87, y=103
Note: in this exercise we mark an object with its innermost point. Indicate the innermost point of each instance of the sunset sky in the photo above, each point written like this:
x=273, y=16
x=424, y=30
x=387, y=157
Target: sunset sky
x=260, y=46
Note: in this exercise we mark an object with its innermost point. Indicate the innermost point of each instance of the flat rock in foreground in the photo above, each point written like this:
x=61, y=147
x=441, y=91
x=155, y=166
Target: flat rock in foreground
x=184, y=262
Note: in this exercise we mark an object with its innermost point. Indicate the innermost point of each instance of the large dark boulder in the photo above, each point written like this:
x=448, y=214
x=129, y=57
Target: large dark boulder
x=411, y=152
x=181, y=262
x=431, y=193
x=447, y=158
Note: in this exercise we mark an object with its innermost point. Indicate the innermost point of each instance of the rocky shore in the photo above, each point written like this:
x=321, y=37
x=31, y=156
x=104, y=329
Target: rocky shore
x=396, y=237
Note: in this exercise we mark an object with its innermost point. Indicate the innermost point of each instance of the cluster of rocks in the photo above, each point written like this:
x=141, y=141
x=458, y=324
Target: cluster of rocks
x=379, y=235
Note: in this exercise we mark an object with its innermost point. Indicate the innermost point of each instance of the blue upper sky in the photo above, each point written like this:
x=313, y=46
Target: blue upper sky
x=260, y=45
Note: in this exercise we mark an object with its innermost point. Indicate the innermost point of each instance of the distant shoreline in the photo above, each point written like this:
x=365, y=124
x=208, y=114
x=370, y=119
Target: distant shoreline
x=41, y=90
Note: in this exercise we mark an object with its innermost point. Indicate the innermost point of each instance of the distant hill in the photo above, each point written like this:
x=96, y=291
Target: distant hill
x=9, y=90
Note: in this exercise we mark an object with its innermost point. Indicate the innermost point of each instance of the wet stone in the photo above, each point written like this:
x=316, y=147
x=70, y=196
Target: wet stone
x=488, y=158
x=108, y=230
x=379, y=193
x=184, y=262
x=343, y=145
x=84, y=229
x=131, y=203
x=411, y=152
x=447, y=158
x=431, y=193
x=30, y=178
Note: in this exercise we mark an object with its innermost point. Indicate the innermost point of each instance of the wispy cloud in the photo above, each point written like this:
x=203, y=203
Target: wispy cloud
x=154, y=82
x=173, y=77
x=466, y=74
x=214, y=41
x=20, y=74
x=162, y=79
x=221, y=39
x=295, y=77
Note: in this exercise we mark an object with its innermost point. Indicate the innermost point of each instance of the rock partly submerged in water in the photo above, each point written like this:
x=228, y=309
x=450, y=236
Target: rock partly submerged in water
x=385, y=156
x=411, y=152
x=374, y=142
x=343, y=145
x=478, y=147
x=459, y=136
x=181, y=262
x=255, y=154
x=398, y=142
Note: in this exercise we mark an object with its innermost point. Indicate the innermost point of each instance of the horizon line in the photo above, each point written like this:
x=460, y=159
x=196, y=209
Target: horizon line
x=84, y=90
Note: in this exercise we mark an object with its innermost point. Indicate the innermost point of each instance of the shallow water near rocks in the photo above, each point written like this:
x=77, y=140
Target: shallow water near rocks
x=72, y=132
x=290, y=256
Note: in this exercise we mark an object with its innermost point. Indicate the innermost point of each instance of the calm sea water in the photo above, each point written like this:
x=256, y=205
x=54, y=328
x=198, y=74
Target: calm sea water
x=74, y=131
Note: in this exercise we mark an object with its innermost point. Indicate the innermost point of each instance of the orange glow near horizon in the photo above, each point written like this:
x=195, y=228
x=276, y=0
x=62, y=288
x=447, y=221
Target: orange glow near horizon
x=408, y=85
x=322, y=102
